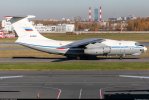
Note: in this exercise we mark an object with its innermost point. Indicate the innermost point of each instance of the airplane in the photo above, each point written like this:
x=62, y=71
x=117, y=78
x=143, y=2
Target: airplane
x=81, y=49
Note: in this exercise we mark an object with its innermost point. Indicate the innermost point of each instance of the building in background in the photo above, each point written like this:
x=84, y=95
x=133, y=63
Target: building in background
x=6, y=25
x=96, y=17
x=60, y=28
x=65, y=28
x=6, y=31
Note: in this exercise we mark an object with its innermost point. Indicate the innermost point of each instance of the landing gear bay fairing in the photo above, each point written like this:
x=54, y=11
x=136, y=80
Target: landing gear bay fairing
x=87, y=48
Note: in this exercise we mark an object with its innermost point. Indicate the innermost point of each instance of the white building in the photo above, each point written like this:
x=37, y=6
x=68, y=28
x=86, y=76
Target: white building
x=55, y=28
x=41, y=28
x=69, y=27
x=7, y=27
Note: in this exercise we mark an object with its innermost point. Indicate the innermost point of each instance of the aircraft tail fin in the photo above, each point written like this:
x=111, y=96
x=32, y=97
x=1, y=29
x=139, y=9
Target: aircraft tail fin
x=24, y=28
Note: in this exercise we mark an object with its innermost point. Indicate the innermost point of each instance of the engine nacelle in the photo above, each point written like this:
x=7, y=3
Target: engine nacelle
x=97, y=51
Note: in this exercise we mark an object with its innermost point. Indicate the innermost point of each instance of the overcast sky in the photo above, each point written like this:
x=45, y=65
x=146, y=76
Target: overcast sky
x=71, y=8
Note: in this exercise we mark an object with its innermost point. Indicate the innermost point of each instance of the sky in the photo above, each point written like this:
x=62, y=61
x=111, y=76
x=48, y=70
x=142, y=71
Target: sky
x=57, y=9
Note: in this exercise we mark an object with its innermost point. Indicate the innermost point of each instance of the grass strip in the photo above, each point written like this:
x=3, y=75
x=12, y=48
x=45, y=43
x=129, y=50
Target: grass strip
x=140, y=37
x=77, y=65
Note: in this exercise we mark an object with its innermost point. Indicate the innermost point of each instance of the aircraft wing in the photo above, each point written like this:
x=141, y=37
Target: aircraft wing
x=83, y=43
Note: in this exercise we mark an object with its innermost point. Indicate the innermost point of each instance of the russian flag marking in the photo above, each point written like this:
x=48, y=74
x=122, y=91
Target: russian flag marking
x=28, y=29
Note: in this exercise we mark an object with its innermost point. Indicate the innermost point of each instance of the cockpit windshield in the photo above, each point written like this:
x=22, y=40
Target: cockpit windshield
x=138, y=44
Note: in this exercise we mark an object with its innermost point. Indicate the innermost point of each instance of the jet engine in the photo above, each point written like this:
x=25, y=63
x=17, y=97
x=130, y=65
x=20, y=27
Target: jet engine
x=97, y=49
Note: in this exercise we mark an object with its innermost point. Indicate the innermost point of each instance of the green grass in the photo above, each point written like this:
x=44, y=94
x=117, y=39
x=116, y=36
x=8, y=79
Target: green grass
x=77, y=65
x=140, y=37
x=5, y=40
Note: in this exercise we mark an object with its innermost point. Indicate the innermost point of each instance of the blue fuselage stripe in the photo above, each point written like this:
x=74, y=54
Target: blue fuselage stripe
x=126, y=47
x=54, y=47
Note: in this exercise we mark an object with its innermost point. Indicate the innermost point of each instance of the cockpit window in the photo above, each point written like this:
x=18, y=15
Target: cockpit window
x=138, y=44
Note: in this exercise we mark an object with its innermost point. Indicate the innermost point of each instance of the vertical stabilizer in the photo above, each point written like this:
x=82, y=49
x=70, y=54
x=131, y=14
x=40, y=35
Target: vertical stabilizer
x=24, y=28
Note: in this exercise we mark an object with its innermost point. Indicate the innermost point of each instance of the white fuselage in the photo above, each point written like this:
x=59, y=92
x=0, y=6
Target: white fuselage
x=124, y=47
x=110, y=47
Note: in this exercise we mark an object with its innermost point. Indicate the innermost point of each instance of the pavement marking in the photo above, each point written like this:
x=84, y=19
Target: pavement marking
x=59, y=93
x=5, y=77
x=80, y=94
x=130, y=76
x=38, y=95
x=101, y=94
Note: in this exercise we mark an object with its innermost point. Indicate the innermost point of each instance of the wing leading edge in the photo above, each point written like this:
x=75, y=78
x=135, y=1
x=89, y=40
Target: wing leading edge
x=83, y=42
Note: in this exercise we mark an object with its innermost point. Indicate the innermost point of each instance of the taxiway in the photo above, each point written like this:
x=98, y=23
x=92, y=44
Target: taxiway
x=71, y=84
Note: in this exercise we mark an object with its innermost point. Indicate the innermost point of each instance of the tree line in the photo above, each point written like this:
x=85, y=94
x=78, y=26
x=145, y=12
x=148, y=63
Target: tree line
x=139, y=24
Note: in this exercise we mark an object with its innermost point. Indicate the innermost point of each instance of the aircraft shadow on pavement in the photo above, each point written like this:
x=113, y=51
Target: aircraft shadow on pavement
x=44, y=58
x=33, y=58
x=127, y=95
x=53, y=59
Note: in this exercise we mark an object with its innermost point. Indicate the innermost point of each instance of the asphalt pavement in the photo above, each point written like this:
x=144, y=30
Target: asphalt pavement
x=73, y=84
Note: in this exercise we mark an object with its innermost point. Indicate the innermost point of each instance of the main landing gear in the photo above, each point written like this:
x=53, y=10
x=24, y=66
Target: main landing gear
x=122, y=56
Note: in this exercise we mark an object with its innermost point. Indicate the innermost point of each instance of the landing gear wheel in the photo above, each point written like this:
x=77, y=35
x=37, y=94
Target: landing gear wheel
x=121, y=57
x=78, y=57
